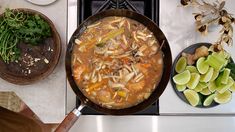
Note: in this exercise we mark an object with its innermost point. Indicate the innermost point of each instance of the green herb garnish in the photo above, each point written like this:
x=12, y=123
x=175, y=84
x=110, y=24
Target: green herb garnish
x=17, y=26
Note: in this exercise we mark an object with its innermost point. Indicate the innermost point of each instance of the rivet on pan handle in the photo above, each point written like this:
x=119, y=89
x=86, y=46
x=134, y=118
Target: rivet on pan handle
x=70, y=119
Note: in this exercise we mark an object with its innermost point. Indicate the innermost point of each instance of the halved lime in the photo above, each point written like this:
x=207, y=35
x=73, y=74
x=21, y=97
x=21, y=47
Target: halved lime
x=225, y=76
x=223, y=98
x=181, y=64
x=202, y=67
x=209, y=100
x=182, y=78
x=205, y=91
x=192, y=97
x=200, y=86
x=194, y=80
x=207, y=77
x=223, y=87
x=180, y=88
x=215, y=75
x=192, y=69
x=212, y=87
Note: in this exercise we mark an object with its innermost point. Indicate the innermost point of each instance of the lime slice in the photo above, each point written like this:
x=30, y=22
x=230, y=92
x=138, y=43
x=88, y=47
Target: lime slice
x=209, y=100
x=194, y=80
x=225, y=76
x=182, y=78
x=207, y=77
x=180, y=88
x=202, y=66
x=223, y=98
x=192, y=69
x=223, y=87
x=205, y=91
x=212, y=87
x=181, y=64
x=200, y=86
x=215, y=75
x=192, y=97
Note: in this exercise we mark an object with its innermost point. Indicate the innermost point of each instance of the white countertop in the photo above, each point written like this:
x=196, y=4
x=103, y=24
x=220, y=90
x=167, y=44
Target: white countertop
x=47, y=97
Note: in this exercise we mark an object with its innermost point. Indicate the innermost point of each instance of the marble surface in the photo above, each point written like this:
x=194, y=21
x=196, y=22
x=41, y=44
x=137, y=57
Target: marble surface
x=177, y=23
x=46, y=97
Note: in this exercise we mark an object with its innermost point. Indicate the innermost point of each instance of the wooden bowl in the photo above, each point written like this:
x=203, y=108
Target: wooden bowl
x=44, y=71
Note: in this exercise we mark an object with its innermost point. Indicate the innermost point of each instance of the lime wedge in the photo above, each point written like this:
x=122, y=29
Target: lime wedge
x=218, y=79
x=181, y=64
x=200, y=86
x=182, y=78
x=225, y=76
x=204, y=85
x=212, y=87
x=192, y=97
x=207, y=77
x=209, y=100
x=192, y=69
x=202, y=66
x=232, y=88
x=194, y=80
x=180, y=88
x=223, y=87
x=205, y=91
x=215, y=75
x=223, y=98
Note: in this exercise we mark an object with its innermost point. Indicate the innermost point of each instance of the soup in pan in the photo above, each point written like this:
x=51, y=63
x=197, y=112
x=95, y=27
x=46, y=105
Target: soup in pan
x=117, y=62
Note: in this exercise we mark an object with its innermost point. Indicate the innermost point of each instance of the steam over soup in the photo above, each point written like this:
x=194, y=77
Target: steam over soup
x=117, y=62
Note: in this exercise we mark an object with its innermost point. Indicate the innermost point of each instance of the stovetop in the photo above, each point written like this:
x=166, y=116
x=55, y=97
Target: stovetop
x=149, y=8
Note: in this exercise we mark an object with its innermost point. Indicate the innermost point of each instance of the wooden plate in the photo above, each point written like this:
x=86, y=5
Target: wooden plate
x=9, y=73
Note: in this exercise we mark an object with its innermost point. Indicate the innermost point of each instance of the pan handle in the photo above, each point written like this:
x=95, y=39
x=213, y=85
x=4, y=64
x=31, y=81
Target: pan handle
x=69, y=120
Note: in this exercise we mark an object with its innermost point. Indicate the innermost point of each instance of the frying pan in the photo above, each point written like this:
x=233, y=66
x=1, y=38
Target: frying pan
x=73, y=116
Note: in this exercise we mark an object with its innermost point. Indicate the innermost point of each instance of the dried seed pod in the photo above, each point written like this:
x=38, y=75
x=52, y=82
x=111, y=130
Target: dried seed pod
x=226, y=31
x=202, y=28
x=184, y=2
x=223, y=13
x=221, y=22
x=232, y=19
x=198, y=17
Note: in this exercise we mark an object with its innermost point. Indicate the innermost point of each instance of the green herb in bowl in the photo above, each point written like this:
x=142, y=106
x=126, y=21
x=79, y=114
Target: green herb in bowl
x=17, y=26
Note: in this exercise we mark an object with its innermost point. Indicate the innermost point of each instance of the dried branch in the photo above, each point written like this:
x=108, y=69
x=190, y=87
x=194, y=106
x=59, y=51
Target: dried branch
x=213, y=13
